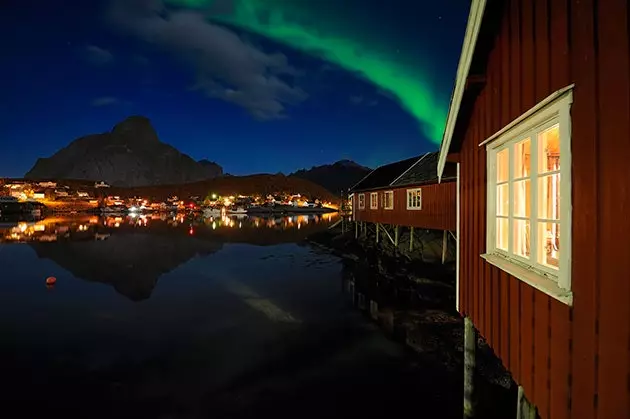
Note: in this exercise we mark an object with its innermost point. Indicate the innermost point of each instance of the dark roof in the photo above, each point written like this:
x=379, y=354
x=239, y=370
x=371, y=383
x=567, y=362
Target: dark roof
x=414, y=171
x=425, y=171
x=383, y=176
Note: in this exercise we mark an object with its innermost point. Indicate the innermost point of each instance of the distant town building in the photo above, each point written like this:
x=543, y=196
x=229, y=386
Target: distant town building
x=48, y=184
x=61, y=193
x=101, y=184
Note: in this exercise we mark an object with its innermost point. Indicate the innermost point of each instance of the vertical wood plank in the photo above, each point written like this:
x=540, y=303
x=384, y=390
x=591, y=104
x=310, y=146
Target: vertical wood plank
x=560, y=359
x=584, y=230
x=559, y=47
x=614, y=201
x=480, y=214
x=515, y=328
x=527, y=339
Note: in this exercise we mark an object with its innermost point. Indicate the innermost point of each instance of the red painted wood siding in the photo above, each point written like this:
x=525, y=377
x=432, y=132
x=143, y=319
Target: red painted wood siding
x=438, y=208
x=572, y=362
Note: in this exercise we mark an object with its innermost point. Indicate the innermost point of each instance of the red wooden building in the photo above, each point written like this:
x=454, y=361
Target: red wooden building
x=539, y=123
x=407, y=193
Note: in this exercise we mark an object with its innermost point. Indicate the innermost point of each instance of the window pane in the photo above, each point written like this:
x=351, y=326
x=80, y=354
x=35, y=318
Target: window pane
x=521, y=238
x=549, y=197
x=549, y=150
x=503, y=161
x=503, y=199
x=502, y=233
x=549, y=244
x=522, y=198
x=522, y=159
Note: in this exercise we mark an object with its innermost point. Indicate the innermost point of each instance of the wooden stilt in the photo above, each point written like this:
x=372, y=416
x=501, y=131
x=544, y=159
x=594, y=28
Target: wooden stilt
x=444, y=246
x=377, y=228
x=411, y=240
x=356, y=230
x=470, y=345
x=396, y=236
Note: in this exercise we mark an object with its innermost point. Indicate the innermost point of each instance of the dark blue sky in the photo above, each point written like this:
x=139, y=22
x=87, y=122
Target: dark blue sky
x=68, y=71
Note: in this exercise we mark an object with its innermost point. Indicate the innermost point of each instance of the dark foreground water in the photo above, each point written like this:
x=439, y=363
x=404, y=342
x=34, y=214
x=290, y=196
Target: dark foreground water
x=188, y=318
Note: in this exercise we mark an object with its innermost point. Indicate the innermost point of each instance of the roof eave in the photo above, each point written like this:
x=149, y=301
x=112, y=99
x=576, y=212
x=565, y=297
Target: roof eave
x=475, y=18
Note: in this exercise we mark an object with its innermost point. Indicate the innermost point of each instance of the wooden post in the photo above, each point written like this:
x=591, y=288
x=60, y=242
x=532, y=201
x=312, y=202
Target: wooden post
x=377, y=228
x=356, y=230
x=411, y=240
x=470, y=344
x=396, y=236
x=444, y=246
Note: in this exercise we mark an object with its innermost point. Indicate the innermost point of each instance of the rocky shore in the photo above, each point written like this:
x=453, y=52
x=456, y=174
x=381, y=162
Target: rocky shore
x=413, y=301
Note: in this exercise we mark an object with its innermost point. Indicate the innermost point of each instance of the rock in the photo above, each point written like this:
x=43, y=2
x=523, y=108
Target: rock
x=130, y=155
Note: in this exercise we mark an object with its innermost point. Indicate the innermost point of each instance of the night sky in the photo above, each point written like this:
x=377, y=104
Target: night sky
x=255, y=85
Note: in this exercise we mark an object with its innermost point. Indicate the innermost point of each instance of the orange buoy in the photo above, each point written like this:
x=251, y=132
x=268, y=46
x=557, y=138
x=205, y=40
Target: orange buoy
x=51, y=280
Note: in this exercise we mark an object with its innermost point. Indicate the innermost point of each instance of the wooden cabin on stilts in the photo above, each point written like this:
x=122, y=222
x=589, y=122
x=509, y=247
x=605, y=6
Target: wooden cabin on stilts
x=403, y=205
x=539, y=125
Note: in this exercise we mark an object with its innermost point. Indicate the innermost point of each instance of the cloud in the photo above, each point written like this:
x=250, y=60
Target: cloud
x=97, y=55
x=105, y=101
x=226, y=66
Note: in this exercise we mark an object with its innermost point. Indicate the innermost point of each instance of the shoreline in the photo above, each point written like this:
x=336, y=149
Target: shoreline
x=413, y=302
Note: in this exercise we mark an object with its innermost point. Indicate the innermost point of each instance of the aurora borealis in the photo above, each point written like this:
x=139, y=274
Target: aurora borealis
x=308, y=27
x=259, y=86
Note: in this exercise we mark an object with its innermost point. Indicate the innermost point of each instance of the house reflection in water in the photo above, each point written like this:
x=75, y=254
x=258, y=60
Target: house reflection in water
x=132, y=252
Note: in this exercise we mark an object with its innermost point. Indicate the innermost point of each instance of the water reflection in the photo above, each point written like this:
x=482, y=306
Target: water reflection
x=86, y=227
x=131, y=252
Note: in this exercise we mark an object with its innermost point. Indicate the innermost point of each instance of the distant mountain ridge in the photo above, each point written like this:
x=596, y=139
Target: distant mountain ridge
x=334, y=177
x=131, y=154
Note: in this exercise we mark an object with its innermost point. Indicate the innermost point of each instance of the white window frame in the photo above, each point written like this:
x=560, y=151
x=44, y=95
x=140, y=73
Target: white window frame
x=361, y=201
x=374, y=200
x=551, y=111
x=385, y=206
x=411, y=207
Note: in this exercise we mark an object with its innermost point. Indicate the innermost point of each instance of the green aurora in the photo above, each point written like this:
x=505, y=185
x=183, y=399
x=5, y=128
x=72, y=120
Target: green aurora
x=320, y=33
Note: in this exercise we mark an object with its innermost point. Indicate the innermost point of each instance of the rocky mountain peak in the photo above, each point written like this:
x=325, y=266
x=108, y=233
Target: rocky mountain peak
x=131, y=154
x=135, y=129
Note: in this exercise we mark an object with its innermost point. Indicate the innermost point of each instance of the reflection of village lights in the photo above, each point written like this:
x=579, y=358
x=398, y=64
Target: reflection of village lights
x=133, y=209
x=240, y=224
x=117, y=224
x=22, y=227
x=299, y=225
x=191, y=231
x=214, y=225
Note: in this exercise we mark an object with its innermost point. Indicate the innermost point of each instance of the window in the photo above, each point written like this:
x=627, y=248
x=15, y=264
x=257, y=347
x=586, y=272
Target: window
x=374, y=200
x=388, y=200
x=529, y=197
x=414, y=199
x=361, y=201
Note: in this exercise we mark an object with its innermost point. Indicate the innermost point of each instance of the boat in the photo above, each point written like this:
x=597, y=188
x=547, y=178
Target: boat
x=114, y=209
x=211, y=212
x=237, y=211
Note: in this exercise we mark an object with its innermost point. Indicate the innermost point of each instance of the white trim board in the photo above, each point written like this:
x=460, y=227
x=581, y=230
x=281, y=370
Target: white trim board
x=475, y=17
x=409, y=168
x=537, y=108
x=364, y=177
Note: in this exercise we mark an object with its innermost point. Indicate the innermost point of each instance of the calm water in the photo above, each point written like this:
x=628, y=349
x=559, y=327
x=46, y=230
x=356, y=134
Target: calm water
x=176, y=317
